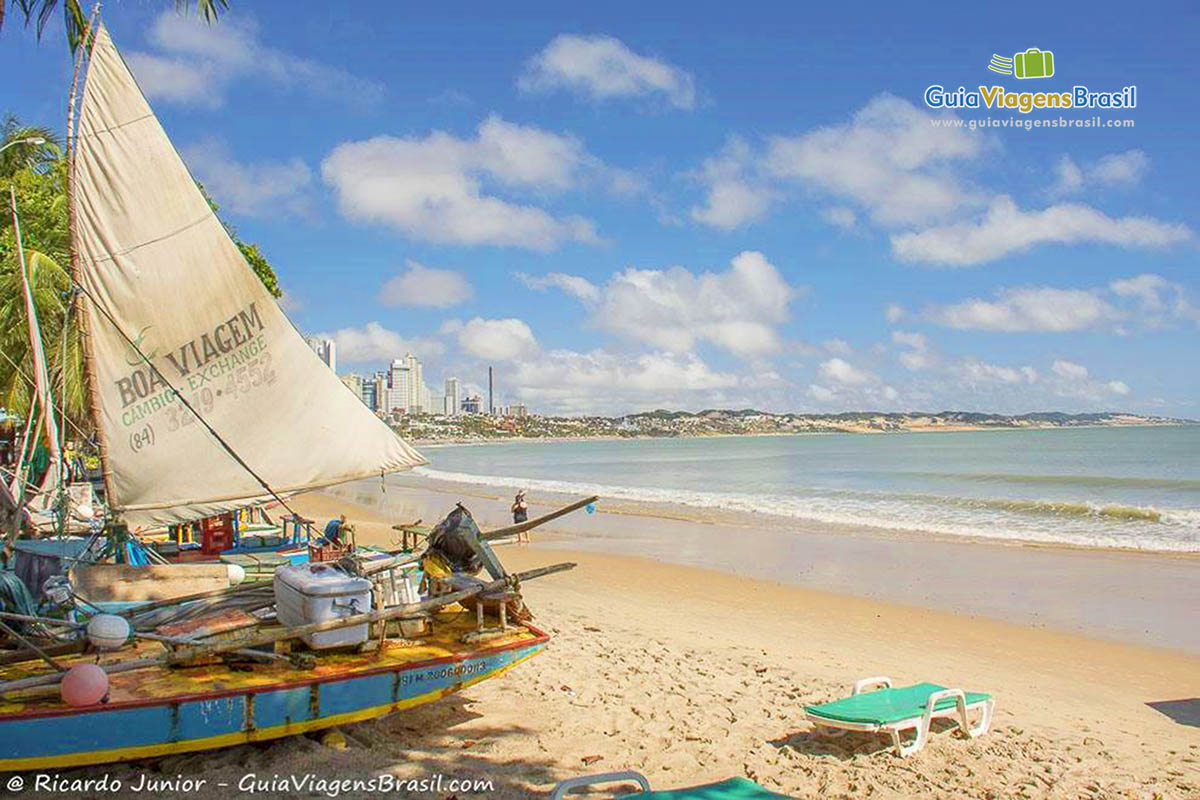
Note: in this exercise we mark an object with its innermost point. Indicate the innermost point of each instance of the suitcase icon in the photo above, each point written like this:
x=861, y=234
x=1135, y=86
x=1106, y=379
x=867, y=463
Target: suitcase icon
x=1034, y=63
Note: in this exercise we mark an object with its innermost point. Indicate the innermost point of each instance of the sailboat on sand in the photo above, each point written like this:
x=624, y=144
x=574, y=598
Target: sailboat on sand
x=207, y=400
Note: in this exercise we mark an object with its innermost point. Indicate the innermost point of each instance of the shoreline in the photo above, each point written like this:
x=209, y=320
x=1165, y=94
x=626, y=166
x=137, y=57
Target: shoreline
x=1115, y=595
x=704, y=515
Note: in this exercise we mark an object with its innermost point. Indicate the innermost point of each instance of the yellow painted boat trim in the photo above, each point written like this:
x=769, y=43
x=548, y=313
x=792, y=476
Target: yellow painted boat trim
x=229, y=739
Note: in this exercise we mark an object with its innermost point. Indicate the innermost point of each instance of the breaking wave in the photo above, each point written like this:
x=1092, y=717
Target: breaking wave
x=1076, y=523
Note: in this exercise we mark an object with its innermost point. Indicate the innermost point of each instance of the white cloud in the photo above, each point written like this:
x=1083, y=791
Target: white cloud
x=196, y=64
x=917, y=341
x=977, y=371
x=1069, y=370
x=1069, y=177
x=263, y=189
x=1039, y=308
x=373, y=343
x=1128, y=167
x=736, y=195
x=1149, y=300
x=894, y=313
x=1147, y=287
x=1006, y=229
x=916, y=360
x=424, y=286
x=497, y=339
x=889, y=159
x=432, y=188
x=1115, y=169
x=1160, y=302
x=840, y=217
x=838, y=371
x=602, y=67
x=1075, y=381
x=603, y=382
x=574, y=285
x=675, y=308
x=918, y=357
x=822, y=394
x=837, y=347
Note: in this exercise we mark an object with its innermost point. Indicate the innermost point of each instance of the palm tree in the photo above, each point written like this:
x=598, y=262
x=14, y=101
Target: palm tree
x=40, y=12
x=41, y=198
x=16, y=157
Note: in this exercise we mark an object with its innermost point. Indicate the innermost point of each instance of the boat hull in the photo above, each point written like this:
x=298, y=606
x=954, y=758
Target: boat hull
x=45, y=738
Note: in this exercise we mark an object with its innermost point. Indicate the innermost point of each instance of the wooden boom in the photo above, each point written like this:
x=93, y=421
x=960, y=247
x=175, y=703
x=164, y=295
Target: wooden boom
x=521, y=527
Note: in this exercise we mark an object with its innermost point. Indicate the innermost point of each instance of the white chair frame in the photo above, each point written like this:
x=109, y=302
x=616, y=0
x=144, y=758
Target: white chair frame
x=918, y=724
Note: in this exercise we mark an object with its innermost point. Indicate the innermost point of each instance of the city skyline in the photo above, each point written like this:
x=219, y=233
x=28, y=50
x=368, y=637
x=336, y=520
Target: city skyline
x=401, y=389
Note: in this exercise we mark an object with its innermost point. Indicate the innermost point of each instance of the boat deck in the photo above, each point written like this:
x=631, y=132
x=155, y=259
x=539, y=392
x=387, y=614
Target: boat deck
x=157, y=685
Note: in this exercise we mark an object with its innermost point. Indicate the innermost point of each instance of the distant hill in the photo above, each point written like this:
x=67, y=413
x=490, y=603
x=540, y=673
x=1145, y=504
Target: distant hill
x=663, y=423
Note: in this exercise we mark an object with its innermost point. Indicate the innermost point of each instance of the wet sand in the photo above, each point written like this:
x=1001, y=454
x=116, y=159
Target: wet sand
x=1126, y=596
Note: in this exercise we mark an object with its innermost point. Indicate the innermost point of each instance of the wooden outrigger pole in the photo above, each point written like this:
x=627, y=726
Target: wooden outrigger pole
x=204, y=649
x=521, y=527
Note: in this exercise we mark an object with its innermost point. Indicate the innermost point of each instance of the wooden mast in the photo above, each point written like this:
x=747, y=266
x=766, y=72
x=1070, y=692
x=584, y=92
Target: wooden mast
x=92, y=388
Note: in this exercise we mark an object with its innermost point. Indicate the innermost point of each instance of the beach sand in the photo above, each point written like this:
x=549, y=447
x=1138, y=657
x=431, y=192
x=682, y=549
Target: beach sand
x=692, y=675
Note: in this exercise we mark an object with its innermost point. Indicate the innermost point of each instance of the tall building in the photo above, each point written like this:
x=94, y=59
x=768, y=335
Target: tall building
x=354, y=383
x=407, y=391
x=326, y=350
x=491, y=397
x=450, y=400
x=367, y=393
x=381, y=392
x=472, y=405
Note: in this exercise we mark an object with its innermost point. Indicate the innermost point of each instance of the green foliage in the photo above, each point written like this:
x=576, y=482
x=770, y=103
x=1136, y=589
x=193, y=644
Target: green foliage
x=38, y=13
x=254, y=257
x=42, y=206
x=37, y=157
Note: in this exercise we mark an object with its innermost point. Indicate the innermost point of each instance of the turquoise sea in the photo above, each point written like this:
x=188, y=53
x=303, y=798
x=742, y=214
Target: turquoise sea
x=1136, y=487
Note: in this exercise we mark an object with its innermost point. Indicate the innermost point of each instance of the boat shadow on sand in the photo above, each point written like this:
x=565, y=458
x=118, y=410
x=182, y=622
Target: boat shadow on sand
x=419, y=744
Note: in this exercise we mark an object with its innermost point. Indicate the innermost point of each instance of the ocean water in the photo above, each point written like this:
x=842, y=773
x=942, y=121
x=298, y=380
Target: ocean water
x=1101, y=487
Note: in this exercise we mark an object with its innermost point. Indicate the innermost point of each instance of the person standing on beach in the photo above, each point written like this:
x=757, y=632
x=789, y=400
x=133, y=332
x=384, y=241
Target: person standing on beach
x=520, y=512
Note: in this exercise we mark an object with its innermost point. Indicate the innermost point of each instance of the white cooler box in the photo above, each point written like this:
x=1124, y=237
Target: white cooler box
x=310, y=593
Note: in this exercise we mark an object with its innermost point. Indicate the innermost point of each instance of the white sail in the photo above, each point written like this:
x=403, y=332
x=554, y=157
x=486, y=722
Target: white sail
x=158, y=267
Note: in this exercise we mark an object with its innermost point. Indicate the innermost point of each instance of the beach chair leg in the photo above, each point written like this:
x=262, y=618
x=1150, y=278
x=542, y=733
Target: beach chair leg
x=920, y=729
x=985, y=720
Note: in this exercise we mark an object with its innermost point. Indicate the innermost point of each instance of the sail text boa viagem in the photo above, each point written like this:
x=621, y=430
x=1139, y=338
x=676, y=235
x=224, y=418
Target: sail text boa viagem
x=231, y=345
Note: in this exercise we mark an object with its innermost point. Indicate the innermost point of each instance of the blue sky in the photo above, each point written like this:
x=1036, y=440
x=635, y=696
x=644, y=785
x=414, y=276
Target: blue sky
x=627, y=207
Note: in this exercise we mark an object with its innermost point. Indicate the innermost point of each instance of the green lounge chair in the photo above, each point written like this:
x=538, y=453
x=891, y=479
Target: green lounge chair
x=732, y=789
x=898, y=710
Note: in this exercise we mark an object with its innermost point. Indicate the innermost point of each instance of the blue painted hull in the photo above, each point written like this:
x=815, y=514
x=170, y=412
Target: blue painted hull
x=41, y=739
